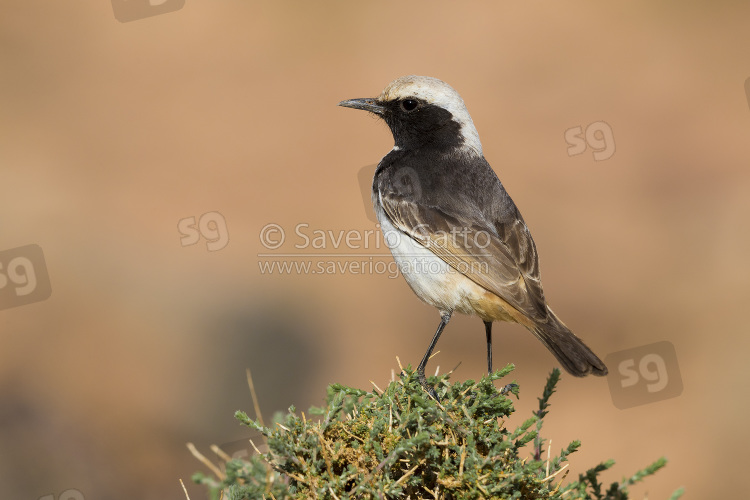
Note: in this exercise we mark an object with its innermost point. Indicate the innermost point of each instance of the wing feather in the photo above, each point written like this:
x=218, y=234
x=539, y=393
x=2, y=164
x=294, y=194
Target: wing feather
x=501, y=258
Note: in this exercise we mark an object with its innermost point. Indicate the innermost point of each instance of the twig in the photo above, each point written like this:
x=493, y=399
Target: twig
x=454, y=369
x=255, y=447
x=324, y=451
x=463, y=458
x=184, y=489
x=256, y=406
x=221, y=453
x=556, y=473
x=408, y=473
x=197, y=454
x=352, y=435
x=434, y=495
x=376, y=387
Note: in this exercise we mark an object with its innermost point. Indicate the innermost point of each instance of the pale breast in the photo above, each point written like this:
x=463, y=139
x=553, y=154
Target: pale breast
x=437, y=283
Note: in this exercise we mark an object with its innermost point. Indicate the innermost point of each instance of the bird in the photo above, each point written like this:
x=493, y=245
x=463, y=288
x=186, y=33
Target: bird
x=456, y=235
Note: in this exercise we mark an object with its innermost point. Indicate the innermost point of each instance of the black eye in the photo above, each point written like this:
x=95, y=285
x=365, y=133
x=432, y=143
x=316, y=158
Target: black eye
x=409, y=104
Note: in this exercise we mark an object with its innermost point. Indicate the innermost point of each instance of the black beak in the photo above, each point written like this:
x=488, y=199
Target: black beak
x=368, y=104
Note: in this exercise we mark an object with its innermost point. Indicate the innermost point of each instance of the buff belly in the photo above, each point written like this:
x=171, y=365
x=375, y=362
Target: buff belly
x=437, y=283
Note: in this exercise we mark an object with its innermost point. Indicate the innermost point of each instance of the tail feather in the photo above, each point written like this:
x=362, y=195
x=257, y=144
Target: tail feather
x=570, y=351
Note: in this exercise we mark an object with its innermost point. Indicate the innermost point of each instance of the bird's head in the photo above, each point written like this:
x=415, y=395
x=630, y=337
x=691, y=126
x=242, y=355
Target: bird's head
x=422, y=111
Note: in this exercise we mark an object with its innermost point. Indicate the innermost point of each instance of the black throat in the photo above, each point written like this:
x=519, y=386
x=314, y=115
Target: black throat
x=428, y=127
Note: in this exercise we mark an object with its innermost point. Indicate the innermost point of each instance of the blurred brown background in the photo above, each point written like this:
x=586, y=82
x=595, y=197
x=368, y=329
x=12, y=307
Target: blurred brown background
x=111, y=133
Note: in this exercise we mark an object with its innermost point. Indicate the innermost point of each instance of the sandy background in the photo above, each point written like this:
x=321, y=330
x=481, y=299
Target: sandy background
x=111, y=133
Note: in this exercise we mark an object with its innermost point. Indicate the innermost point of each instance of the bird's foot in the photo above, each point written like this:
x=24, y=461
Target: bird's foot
x=427, y=387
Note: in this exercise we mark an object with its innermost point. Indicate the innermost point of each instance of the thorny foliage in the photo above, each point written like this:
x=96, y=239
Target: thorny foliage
x=401, y=443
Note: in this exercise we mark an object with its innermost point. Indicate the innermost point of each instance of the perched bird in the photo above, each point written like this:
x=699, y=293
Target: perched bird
x=455, y=233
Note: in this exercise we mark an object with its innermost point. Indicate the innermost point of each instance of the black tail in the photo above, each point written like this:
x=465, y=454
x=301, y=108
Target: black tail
x=570, y=351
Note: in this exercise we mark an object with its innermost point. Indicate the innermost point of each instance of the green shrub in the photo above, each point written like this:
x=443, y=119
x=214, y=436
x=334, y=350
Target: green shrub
x=401, y=443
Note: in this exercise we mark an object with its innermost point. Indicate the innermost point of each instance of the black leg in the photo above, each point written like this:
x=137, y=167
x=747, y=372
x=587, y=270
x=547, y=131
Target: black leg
x=444, y=318
x=488, y=333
